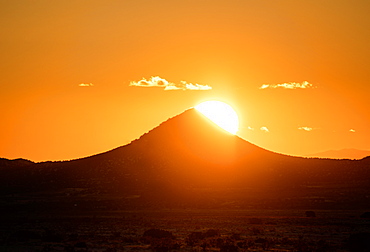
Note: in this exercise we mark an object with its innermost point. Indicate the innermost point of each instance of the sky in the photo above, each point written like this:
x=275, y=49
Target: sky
x=82, y=77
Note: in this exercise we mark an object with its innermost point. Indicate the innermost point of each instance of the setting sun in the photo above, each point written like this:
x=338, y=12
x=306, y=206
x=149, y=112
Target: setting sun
x=221, y=114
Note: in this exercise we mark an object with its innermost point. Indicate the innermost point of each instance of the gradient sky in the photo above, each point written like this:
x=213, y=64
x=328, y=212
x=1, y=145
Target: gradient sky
x=296, y=72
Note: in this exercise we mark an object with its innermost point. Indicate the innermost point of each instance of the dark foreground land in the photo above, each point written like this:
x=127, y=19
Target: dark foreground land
x=186, y=230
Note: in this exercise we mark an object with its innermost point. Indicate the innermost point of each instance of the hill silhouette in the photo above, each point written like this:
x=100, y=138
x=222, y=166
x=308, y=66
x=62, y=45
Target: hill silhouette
x=19, y=162
x=343, y=153
x=187, y=161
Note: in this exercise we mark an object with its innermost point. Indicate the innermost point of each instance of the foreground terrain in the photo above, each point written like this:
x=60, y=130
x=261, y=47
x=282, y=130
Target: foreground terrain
x=184, y=230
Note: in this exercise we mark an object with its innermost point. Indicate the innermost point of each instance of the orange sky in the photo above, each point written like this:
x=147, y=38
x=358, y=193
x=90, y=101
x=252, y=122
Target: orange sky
x=49, y=48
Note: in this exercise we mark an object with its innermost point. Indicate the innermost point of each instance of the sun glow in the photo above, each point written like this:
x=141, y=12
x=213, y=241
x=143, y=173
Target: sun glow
x=221, y=114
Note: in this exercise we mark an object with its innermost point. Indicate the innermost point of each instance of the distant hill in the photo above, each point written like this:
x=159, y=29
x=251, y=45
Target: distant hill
x=187, y=161
x=341, y=154
x=19, y=162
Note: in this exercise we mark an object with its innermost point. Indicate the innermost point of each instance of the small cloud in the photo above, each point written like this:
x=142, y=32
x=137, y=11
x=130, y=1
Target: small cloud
x=85, y=85
x=156, y=81
x=305, y=128
x=250, y=128
x=264, y=86
x=191, y=86
x=352, y=130
x=290, y=85
x=265, y=129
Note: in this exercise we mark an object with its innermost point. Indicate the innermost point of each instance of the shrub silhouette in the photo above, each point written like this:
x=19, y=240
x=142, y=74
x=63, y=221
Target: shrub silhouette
x=229, y=248
x=359, y=242
x=211, y=233
x=158, y=234
x=195, y=237
x=24, y=235
x=255, y=221
x=365, y=215
x=310, y=214
x=160, y=240
x=164, y=245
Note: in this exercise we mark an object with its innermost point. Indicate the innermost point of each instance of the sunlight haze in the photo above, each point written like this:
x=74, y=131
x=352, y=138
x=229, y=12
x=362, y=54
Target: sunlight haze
x=221, y=114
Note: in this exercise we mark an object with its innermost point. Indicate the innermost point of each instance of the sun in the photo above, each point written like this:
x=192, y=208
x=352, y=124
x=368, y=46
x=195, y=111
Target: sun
x=221, y=114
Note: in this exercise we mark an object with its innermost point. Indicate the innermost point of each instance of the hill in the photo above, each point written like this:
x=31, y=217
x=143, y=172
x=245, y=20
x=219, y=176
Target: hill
x=341, y=154
x=187, y=162
x=19, y=162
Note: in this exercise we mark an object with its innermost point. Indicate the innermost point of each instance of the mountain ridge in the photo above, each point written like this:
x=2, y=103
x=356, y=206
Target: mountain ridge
x=347, y=153
x=187, y=161
x=18, y=162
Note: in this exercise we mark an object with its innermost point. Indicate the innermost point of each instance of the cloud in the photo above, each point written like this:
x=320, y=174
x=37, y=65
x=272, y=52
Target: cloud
x=305, y=128
x=352, y=130
x=265, y=129
x=152, y=82
x=250, y=128
x=191, y=86
x=156, y=81
x=86, y=85
x=290, y=85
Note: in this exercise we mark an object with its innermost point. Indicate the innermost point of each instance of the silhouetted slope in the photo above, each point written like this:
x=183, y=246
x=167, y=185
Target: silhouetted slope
x=19, y=162
x=341, y=154
x=189, y=147
x=187, y=161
